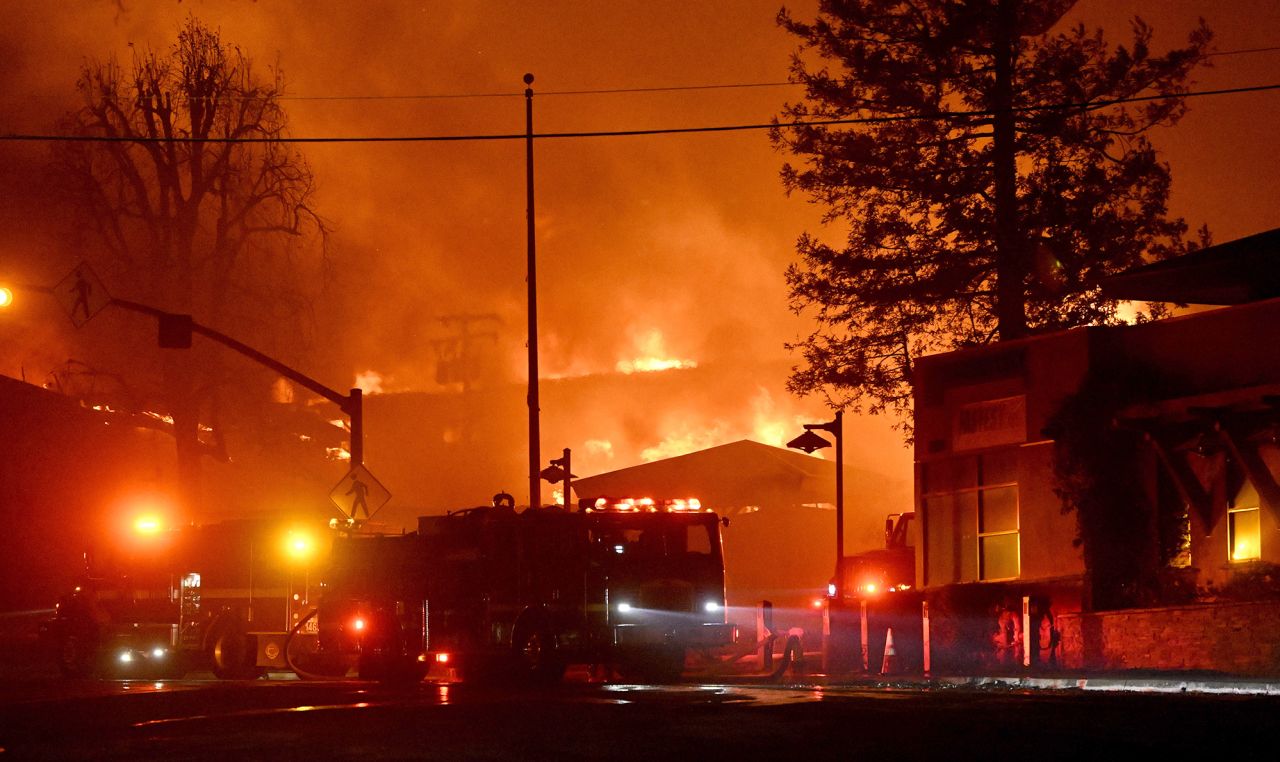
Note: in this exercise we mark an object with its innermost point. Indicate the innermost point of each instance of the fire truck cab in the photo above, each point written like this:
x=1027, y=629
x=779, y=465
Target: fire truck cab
x=492, y=592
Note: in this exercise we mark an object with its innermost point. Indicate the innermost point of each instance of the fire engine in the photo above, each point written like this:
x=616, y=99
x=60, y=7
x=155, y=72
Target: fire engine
x=163, y=602
x=890, y=569
x=494, y=592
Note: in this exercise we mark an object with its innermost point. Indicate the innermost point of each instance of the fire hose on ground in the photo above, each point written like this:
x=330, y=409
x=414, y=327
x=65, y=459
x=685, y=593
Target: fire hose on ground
x=303, y=674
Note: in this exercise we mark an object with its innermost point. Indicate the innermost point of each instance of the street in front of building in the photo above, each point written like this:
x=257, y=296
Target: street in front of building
x=206, y=720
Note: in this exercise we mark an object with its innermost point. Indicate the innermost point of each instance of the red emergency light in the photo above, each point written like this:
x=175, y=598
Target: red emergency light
x=646, y=505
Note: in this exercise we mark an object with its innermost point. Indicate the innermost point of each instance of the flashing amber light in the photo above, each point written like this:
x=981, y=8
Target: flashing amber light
x=6, y=297
x=870, y=588
x=817, y=602
x=357, y=624
x=148, y=525
x=299, y=545
x=442, y=658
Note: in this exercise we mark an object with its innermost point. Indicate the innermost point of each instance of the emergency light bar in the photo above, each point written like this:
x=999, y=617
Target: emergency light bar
x=645, y=505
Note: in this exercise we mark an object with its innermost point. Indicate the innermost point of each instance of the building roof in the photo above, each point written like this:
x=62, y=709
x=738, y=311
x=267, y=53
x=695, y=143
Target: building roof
x=1235, y=272
x=729, y=475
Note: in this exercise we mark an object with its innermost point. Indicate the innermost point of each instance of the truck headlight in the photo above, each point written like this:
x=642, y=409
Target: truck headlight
x=624, y=608
x=711, y=607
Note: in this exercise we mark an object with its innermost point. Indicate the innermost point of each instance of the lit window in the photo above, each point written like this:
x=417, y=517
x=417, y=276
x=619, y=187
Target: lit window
x=998, y=533
x=1244, y=525
x=971, y=518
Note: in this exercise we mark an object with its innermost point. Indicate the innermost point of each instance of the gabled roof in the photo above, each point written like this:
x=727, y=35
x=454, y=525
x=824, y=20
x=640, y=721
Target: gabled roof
x=1244, y=270
x=734, y=474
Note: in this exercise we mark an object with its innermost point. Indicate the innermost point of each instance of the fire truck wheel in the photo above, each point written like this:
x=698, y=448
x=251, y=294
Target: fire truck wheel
x=229, y=653
x=76, y=655
x=536, y=656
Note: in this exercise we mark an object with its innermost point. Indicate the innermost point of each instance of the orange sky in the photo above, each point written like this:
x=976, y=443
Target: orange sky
x=683, y=236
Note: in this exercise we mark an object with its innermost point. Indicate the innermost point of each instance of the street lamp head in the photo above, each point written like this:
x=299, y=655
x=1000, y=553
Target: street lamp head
x=808, y=442
x=6, y=297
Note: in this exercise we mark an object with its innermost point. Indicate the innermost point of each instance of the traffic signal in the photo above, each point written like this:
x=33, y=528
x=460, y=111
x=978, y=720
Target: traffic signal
x=175, y=331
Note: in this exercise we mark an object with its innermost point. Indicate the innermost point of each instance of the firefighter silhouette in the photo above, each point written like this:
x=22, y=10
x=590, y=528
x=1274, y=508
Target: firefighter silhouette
x=82, y=288
x=361, y=491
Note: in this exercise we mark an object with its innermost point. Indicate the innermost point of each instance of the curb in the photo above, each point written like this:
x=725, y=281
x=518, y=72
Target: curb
x=1105, y=683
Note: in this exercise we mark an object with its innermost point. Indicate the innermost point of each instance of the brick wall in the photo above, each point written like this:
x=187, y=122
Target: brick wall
x=1234, y=638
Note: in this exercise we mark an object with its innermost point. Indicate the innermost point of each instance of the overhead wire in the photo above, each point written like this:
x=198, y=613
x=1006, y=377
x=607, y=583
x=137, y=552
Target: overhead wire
x=924, y=116
x=627, y=90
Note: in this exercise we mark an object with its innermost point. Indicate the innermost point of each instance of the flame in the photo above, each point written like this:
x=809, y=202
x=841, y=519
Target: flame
x=686, y=442
x=652, y=350
x=601, y=447
x=371, y=381
x=282, y=390
x=159, y=416
x=768, y=426
x=557, y=496
x=337, y=453
x=1128, y=312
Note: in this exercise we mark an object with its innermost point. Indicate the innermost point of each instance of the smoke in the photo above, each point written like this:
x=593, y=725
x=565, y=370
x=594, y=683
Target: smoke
x=679, y=237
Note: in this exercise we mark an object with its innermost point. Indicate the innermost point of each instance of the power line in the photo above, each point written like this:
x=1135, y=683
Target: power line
x=606, y=90
x=939, y=115
x=626, y=90
x=542, y=93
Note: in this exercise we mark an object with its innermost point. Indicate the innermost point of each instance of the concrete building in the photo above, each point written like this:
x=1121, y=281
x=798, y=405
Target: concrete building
x=1112, y=474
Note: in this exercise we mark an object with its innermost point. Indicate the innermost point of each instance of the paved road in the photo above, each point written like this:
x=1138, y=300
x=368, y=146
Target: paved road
x=286, y=719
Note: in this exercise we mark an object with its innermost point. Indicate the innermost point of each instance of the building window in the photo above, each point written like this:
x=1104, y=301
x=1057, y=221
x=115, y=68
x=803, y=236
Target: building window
x=998, y=533
x=970, y=505
x=1244, y=525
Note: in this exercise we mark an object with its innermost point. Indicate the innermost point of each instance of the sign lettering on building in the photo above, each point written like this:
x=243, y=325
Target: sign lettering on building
x=990, y=423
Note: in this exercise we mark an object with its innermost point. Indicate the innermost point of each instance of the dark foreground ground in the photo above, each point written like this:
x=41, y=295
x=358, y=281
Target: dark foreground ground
x=45, y=717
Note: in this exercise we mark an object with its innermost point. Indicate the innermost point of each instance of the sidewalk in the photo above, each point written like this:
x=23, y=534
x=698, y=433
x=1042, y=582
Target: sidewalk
x=1135, y=682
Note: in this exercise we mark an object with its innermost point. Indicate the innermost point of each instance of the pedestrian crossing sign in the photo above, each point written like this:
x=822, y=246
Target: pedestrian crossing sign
x=359, y=495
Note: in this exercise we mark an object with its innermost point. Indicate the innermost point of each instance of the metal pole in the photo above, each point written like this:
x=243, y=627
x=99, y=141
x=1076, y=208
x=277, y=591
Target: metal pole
x=535, y=457
x=924, y=617
x=826, y=637
x=839, y=434
x=1026, y=631
x=356, y=412
x=866, y=654
x=568, y=480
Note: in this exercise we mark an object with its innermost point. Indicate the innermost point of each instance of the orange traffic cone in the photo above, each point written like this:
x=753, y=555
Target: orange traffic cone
x=890, y=663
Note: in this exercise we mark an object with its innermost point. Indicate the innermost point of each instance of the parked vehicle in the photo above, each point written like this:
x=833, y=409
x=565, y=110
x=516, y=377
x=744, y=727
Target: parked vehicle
x=495, y=592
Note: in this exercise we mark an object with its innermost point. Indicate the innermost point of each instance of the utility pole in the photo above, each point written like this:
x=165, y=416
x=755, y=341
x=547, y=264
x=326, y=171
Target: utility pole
x=535, y=456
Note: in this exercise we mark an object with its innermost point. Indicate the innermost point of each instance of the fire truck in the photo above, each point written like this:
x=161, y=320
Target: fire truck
x=164, y=602
x=890, y=569
x=495, y=593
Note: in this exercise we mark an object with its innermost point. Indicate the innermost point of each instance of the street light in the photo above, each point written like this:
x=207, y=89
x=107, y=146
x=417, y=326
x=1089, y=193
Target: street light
x=558, y=472
x=6, y=297
x=809, y=442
